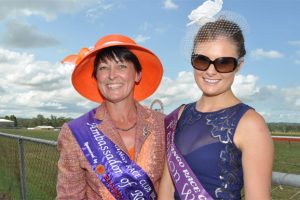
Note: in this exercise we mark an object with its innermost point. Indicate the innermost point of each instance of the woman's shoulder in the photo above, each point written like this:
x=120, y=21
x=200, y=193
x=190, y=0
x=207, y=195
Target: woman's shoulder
x=65, y=138
x=252, y=127
x=185, y=108
x=252, y=118
x=154, y=120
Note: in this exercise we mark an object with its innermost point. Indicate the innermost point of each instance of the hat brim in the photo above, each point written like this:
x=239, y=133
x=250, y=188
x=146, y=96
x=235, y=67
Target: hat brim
x=152, y=71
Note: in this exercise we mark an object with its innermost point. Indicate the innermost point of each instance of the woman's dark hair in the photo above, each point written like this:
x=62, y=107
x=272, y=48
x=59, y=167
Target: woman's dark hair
x=222, y=27
x=116, y=53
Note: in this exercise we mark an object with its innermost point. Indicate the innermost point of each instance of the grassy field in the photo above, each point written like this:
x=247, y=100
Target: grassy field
x=287, y=157
x=287, y=160
x=41, y=163
x=41, y=134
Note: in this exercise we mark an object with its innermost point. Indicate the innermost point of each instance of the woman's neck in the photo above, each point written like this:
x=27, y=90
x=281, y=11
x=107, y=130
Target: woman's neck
x=124, y=111
x=214, y=103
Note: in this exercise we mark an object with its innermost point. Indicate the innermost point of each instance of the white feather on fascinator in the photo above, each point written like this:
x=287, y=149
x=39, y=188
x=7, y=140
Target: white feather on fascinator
x=210, y=11
x=205, y=12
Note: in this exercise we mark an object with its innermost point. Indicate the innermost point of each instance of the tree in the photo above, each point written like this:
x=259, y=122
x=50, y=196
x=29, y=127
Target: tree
x=13, y=118
x=41, y=120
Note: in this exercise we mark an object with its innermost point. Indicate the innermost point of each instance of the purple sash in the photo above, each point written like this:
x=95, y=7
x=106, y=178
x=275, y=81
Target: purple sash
x=120, y=175
x=185, y=181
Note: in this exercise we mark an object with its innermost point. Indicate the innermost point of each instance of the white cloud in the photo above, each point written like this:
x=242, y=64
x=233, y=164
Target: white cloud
x=260, y=53
x=30, y=87
x=292, y=96
x=100, y=7
x=170, y=5
x=23, y=71
x=22, y=35
x=141, y=39
x=245, y=86
x=8, y=57
x=175, y=92
x=46, y=9
x=184, y=89
x=275, y=104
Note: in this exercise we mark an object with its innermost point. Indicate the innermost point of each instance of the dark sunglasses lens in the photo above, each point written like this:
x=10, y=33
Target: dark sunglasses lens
x=200, y=62
x=225, y=64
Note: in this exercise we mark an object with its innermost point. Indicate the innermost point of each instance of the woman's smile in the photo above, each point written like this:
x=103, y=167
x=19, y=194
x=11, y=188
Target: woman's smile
x=113, y=86
x=211, y=81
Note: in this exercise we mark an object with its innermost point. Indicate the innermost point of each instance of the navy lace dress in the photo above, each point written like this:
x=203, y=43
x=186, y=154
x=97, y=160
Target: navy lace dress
x=205, y=139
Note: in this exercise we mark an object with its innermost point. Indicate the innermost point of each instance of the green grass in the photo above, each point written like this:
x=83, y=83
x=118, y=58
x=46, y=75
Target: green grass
x=41, y=134
x=40, y=162
x=287, y=157
x=286, y=160
x=9, y=170
x=41, y=165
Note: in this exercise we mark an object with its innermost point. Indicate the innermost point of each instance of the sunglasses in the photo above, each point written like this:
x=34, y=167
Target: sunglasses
x=222, y=64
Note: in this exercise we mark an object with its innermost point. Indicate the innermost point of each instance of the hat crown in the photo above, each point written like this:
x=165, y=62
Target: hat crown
x=113, y=40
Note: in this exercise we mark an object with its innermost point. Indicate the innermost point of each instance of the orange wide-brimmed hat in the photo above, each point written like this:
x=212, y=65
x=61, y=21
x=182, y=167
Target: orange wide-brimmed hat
x=85, y=83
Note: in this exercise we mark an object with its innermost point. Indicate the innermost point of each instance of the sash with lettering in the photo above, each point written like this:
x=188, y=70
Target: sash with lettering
x=120, y=175
x=186, y=183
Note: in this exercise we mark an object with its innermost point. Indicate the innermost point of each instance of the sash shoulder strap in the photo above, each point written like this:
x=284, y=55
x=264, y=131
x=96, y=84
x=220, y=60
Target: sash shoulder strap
x=185, y=181
x=119, y=174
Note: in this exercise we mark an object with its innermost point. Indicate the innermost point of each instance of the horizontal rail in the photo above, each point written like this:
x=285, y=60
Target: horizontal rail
x=286, y=138
x=31, y=139
x=277, y=177
x=286, y=179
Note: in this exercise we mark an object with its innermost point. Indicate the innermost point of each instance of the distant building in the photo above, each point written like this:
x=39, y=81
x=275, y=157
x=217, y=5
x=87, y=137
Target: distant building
x=41, y=128
x=57, y=128
x=5, y=123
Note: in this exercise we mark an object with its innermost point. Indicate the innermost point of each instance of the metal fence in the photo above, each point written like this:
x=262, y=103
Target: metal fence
x=28, y=170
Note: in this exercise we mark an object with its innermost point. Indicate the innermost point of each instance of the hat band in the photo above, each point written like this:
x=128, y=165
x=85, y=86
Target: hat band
x=113, y=43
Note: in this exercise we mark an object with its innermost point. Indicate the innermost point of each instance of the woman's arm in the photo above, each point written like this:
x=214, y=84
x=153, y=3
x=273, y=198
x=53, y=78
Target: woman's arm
x=71, y=183
x=166, y=187
x=254, y=140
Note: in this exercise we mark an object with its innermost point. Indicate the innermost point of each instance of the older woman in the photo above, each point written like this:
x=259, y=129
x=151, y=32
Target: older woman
x=116, y=150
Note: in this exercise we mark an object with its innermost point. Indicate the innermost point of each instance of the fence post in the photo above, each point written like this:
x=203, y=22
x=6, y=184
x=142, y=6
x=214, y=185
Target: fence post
x=22, y=170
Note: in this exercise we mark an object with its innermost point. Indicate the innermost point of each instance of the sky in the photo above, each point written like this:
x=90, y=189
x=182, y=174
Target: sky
x=35, y=35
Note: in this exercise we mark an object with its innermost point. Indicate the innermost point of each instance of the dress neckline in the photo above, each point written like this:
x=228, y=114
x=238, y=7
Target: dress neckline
x=212, y=112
